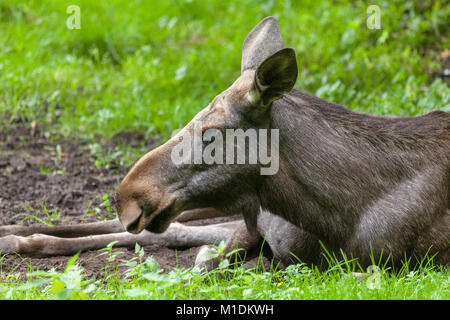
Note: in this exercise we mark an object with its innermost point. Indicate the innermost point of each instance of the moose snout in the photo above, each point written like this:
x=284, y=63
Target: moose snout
x=145, y=198
x=131, y=216
x=134, y=215
x=136, y=202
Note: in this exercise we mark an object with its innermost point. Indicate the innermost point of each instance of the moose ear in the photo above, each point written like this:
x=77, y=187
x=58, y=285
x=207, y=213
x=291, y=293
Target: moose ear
x=262, y=42
x=274, y=77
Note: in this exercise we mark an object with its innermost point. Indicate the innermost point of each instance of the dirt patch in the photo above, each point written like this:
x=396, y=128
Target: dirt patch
x=49, y=178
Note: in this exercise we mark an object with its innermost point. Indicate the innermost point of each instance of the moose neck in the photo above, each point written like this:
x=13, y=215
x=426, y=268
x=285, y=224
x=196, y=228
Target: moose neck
x=333, y=164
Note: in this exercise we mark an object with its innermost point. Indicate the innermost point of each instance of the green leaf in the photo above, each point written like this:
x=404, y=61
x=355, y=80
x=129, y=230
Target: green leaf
x=224, y=264
x=72, y=261
x=154, y=277
x=57, y=286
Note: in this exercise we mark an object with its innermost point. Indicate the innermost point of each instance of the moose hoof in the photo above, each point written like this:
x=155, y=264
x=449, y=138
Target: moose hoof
x=9, y=244
x=207, y=258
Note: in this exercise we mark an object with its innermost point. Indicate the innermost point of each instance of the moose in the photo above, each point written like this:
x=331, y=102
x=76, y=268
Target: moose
x=353, y=184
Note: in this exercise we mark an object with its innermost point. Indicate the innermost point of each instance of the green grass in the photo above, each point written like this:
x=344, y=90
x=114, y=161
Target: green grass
x=48, y=218
x=150, y=66
x=145, y=280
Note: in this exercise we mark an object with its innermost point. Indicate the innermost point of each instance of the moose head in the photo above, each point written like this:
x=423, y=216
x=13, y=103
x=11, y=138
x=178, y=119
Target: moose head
x=193, y=169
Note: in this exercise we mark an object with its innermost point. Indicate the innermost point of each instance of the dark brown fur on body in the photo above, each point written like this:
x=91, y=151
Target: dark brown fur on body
x=357, y=179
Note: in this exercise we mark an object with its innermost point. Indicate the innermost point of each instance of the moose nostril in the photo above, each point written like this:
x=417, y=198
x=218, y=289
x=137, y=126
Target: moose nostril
x=130, y=215
x=133, y=226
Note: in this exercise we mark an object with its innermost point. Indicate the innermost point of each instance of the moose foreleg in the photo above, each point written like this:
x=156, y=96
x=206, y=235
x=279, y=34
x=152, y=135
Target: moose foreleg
x=201, y=213
x=94, y=228
x=65, y=231
x=177, y=235
x=248, y=247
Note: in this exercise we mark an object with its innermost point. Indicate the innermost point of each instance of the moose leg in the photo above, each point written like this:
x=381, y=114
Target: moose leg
x=65, y=231
x=101, y=227
x=196, y=214
x=438, y=236
x=177, y=235
x=240, y=239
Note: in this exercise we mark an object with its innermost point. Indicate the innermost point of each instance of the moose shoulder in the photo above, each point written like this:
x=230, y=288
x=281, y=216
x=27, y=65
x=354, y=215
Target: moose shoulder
x=360, y=184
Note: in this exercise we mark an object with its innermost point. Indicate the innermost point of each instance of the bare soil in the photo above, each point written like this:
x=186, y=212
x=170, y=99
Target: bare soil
x=34, y=175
